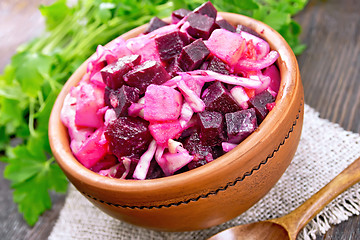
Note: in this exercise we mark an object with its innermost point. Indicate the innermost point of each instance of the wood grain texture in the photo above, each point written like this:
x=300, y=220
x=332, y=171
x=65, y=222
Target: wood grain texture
x=329, y=68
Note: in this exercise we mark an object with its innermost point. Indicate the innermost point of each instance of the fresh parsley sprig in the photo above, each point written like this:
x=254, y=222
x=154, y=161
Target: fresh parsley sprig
x=30, y=83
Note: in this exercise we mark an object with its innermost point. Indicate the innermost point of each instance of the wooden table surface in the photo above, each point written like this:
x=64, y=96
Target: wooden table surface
x=329, y=68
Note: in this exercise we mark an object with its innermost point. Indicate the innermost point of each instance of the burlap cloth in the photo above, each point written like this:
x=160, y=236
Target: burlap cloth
x=325, y=149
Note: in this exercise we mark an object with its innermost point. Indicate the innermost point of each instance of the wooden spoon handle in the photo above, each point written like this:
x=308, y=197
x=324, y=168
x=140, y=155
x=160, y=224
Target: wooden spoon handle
x=297, y=219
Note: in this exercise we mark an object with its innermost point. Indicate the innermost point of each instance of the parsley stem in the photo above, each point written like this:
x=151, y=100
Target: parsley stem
x=41, y=98
x=48, y=163
x=31, y=116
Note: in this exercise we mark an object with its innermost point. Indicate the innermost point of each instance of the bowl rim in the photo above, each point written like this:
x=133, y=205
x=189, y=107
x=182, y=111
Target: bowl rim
x=75, y=169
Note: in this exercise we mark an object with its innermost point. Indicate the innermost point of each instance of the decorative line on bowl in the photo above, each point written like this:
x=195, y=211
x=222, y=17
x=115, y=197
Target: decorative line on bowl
x=214, y=192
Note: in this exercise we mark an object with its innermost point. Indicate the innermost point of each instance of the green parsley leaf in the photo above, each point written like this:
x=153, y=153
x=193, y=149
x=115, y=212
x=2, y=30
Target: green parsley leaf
x=54, y=13
x=30, y=68
x=32, y=175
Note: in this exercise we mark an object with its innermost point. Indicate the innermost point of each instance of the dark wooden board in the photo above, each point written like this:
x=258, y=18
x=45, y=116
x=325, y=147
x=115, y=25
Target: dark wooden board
x=329, y=68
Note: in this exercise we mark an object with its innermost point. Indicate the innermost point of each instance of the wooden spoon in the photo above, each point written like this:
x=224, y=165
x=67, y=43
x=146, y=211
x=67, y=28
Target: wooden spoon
x=288, y=226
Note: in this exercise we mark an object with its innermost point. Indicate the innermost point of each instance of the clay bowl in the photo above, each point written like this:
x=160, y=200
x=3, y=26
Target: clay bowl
x=208, y=195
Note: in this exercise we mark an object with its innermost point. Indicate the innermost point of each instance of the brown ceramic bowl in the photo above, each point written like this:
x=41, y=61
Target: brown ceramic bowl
x=208, y=195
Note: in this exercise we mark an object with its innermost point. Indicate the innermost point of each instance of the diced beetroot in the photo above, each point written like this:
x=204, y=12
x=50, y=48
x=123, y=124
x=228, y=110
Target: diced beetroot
x=179, y=14
x=226, y=45
x=106, y=162
x=149, y=72
x=121, y=99
x=222, y=23
x=196, y=148
x=128, y=136
x=196, y=163
x=92, y=150
x=218, y=99
x=217, y=151
x=170, y=45
x=211, y=124
x=154, y=24
x=200, y=26
x=259, y=102
x=89, y=100
x=240, y=124
x=274, y=74
x=173, y=68
x=107, y=92
x=113, y=73
x=193, y=55
x=163, y=131
x=207, y=9
x=217, y=65
x=154, y=171
x=162, y=103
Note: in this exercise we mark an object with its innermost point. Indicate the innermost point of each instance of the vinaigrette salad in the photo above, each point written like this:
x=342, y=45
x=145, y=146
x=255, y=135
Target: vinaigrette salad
x=172, y=99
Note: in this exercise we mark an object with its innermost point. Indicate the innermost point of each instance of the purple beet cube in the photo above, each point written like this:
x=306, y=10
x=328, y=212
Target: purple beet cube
x=197, y=149
x=154, y=24
x=106, y=162
x=217, y=98
x=200, y=26
x=208, y=9
x=240, y=124
x=197, y=163
x=112, y=74
x=211, y=124
x=154, y=171
x=121, y=99
x=217, y=65
x=170, y=45
x=193, y=55
x=108, y=91
x=149, y=72
x=222, y=23
x=259, y=102
x=173, y=68
x=179, y=14
x=128, y=136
